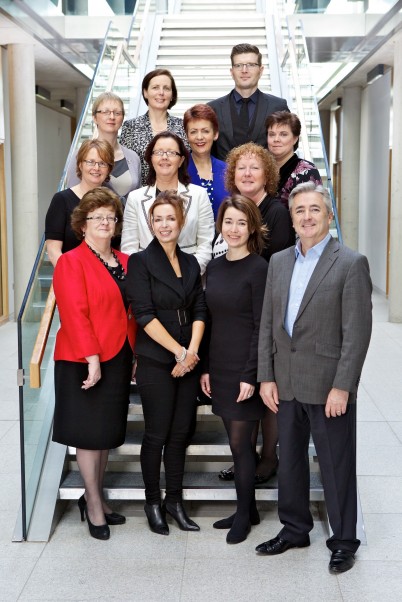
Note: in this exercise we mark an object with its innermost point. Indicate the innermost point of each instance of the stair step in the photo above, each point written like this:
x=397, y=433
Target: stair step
x=205, y=443
x=196, y=486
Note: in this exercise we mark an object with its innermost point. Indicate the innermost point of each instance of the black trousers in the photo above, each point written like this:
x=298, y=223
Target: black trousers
x=169, y=405
x=335, y=444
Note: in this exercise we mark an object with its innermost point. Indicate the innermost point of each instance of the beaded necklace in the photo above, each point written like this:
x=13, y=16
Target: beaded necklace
x=116, y=271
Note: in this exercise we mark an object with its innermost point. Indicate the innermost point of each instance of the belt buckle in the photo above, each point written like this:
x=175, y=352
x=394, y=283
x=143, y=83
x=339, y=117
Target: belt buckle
x=182, y=317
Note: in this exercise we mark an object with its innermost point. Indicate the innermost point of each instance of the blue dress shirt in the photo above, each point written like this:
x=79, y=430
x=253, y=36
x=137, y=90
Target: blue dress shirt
x=302, y=272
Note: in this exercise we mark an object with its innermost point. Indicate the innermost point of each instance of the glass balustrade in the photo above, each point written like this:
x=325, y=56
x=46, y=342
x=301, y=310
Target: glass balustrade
x=115, y=70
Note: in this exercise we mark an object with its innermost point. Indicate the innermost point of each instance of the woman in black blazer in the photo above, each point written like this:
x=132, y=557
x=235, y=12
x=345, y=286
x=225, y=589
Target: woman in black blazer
x=165, y=291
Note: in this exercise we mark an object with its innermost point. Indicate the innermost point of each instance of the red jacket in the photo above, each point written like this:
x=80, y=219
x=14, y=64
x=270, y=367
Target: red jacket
x=92, y=313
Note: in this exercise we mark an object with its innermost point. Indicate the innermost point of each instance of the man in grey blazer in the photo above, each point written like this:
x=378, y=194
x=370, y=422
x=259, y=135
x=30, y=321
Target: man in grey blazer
x=314, y=335
x=242, y=113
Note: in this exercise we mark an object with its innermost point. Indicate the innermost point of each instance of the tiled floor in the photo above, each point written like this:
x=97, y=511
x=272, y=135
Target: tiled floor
x=136, y=565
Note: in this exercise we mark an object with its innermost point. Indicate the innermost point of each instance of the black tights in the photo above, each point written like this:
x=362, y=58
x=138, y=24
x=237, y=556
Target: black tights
x=240, y=441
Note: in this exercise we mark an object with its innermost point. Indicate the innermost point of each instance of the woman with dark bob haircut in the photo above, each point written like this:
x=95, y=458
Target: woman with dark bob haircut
x=160, y=94
x=95, y=160
x=165, y=291
x=94, y=350
x=235, y=285
x=167, y=157
x=201, y=125
x=283, y=132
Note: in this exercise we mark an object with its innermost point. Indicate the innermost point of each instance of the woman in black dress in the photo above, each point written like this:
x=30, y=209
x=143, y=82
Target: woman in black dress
x=93, y=353
x=235, y=285
x=95, y=160
x=165, y=291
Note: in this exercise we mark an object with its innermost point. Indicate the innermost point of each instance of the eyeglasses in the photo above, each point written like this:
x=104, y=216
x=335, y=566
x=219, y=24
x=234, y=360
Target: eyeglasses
x=170, y=153
x=100, y=164
x=100, y=218
x=247, y=66
x=107, y=113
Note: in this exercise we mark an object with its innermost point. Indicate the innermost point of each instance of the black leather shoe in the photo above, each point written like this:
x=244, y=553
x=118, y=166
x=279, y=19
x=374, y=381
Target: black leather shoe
x=178, y=512
x=277, y=545
x=226, y=523
x=156, y=519
x=237, y=535
x=341, y=561
x=97, y=531
x=227, y=474
x=113, y=518
x=82, y=504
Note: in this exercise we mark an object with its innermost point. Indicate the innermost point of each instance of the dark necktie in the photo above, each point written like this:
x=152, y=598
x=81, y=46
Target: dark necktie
x=243, y=115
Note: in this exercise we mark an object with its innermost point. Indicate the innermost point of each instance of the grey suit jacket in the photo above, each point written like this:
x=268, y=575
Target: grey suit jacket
x=332, y=330
x=267, y=104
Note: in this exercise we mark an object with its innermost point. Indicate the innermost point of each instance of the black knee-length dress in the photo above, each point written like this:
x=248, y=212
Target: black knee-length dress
x=234, y=295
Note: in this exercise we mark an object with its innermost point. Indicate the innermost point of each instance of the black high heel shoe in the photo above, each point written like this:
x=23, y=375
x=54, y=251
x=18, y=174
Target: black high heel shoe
x=227, y=474
x=156, y=519
x=97, y=531
x=113, y=518
x=178, y=512
x=82, y=504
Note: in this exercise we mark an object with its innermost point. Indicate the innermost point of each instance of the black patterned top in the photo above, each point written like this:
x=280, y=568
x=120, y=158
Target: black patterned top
x=137, y=133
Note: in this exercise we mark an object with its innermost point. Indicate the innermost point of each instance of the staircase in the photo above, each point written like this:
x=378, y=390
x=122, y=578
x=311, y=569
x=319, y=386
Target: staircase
x=195, y=45
x=197, y=51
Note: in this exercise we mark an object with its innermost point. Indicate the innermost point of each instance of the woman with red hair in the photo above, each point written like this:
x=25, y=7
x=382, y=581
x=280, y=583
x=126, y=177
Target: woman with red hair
x=201, y=126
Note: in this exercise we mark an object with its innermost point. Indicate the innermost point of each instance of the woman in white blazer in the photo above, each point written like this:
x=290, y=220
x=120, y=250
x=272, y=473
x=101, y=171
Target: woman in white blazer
x=167, y=157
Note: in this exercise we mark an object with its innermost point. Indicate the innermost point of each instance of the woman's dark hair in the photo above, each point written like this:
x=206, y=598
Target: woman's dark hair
x=257, y=230
x=271, y=171
x=169, y=197
x=201, y=112
x=184, y=178
x=155, y=73
x=285, y=118
x=105, y=151
x=92, y=200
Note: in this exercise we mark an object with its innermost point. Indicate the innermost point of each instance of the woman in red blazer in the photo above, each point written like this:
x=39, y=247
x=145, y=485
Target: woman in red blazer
x=93, y=354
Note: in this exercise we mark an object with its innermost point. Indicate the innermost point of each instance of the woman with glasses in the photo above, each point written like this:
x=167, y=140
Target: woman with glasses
x=93, y=353
x=160, y=94
x=108, y=115
x=95, y=160
x=167, y=158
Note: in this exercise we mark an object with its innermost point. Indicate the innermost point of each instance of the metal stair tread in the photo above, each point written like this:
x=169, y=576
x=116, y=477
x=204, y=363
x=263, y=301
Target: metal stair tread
x=204, y=443
x=196, y=485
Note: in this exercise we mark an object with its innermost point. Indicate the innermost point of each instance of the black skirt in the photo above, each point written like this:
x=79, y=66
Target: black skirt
x=95, y=418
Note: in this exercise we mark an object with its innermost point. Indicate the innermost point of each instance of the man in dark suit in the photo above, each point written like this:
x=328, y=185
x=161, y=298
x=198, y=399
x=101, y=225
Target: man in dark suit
x=314, y=335
x=242, y=113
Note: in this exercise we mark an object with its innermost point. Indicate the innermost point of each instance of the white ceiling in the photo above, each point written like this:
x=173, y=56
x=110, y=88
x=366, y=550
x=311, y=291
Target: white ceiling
x=51, y=71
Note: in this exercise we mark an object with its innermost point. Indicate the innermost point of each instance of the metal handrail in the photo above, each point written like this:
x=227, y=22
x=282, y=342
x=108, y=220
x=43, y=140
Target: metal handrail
x=290, y=54
x=325, y=156
x=142, y=32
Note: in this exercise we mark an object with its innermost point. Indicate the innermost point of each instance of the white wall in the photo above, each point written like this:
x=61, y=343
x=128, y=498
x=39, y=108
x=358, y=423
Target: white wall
x=374, y=173
x=54, y=140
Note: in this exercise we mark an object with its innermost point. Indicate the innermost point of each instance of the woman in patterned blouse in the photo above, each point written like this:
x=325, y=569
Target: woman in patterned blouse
x=160, y=94
x=283, y=132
